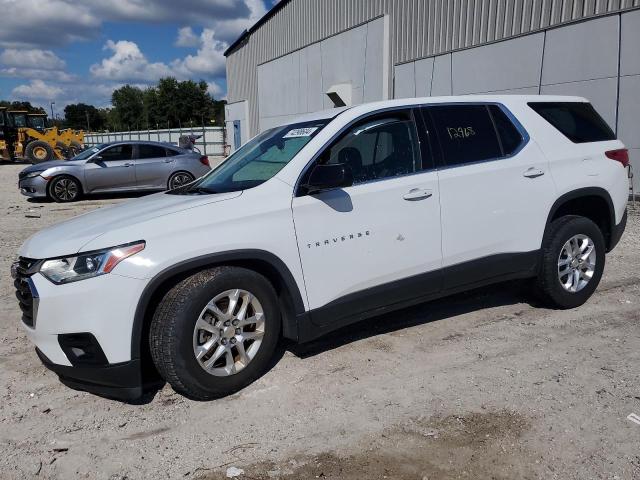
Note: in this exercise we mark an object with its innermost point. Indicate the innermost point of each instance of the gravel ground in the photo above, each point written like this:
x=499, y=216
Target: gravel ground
x=481, y=385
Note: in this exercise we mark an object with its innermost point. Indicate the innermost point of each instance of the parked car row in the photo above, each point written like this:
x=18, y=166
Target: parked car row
x=114, y=167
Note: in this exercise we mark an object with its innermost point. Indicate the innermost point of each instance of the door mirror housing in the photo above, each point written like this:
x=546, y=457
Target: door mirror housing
x=328, y=177
x=96, y=159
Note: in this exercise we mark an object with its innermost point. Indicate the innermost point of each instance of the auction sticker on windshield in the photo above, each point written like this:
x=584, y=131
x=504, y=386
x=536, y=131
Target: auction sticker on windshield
x=300, y=132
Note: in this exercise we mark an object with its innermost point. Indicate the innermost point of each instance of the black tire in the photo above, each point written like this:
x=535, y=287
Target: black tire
x=64, y=150
x=64, y=188
x=171, y=335
x=75, y=148
x=38, y=151
x=548, y=286
x=179, y=179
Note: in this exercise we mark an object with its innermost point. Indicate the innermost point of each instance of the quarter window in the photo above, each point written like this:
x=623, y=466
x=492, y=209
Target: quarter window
x=466, y=133
x=379, y=148
x=578, y=121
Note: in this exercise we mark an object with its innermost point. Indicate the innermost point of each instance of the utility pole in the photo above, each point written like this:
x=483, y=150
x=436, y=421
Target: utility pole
x=52, y=116
x=88, y=126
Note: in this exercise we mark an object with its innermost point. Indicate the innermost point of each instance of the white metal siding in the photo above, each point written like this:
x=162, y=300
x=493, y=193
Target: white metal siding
x=419, y=28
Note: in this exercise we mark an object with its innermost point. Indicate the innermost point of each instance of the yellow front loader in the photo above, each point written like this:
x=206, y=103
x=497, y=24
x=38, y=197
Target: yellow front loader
x=33, y=140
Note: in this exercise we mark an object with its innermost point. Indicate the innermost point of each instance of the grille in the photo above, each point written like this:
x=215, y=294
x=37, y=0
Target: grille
x=23, y=270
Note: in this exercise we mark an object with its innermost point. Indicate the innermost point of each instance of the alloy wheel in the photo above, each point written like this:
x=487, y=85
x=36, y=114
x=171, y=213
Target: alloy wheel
x=229, y=332
x=576, y=263
x=65, y=189
x=180, y=179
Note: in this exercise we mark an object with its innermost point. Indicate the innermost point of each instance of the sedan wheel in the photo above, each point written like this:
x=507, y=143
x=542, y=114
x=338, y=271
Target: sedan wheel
x=64, y=189
x=180, y=179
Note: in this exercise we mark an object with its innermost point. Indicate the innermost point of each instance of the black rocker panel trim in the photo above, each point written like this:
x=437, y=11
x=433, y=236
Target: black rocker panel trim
x=417, y=289
x=289, y=324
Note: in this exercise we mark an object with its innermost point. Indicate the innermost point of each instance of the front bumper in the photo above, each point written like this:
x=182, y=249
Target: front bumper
x=34, y=187
x=121, y=381
x=102, y=308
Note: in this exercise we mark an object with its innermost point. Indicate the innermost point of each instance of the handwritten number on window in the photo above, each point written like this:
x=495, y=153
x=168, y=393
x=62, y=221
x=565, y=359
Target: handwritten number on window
x=461, y=133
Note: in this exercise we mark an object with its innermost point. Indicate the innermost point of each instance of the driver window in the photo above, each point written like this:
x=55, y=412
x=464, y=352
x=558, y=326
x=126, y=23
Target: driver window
x=385, y=147
x=119, y=152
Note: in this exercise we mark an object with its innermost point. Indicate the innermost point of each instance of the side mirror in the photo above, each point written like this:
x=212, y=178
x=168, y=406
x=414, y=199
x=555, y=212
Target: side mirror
x=327, y=177
x=96, y=159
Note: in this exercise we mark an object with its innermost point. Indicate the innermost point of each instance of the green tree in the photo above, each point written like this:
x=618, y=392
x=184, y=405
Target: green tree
x=129, y=107
x=80, y=115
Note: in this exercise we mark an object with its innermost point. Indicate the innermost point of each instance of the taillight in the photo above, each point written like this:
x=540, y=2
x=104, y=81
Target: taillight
x=621, y=155
x=205, y=160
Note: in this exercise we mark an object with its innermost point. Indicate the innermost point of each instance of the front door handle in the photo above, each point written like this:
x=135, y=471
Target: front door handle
x=128, y=165
x=417, y=194
x=533, y=173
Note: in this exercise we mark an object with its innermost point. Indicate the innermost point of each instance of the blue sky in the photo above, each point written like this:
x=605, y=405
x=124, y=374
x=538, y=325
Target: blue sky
x=79, y=51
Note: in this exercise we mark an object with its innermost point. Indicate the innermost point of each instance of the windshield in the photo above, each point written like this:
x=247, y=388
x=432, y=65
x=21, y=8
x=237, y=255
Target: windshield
x=258, y=160
x=89, y=152
x=37, y=122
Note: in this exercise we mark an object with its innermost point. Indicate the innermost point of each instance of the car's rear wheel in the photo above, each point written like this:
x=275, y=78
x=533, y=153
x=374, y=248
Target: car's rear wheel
x=64, y=188
x=572, y=263
x=180, y=179
x=215, y=332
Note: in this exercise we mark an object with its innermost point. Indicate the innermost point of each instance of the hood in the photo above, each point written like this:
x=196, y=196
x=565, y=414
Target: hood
x=41, y=167
x=70, y=236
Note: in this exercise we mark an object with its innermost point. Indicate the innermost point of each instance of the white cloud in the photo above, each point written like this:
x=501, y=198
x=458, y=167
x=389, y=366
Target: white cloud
x=33, y=58
x=208, y=62
x=186, y=38
x=214, y=89
x=34, y=73
x=37, y=90
x=58, y=22
x=33, y=64
x=38, y=23
x=128, y=64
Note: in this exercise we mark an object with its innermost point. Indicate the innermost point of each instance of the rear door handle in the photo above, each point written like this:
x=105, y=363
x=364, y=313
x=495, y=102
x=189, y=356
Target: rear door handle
x=533, y=173
x=417, y=194
x=128, y=165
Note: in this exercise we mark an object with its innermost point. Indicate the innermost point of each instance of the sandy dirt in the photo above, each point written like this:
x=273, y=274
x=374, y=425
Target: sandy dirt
x=480, y=385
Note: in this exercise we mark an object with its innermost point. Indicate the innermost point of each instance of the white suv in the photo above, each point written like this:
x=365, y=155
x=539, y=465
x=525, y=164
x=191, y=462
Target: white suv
x=336, y=218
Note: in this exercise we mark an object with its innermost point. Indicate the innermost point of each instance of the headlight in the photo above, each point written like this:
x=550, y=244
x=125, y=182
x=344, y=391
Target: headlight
x=87, y=265
x=32, y=174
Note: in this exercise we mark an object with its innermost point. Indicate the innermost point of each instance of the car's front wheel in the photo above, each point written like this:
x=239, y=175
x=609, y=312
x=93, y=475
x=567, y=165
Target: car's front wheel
x=215, y=332
x=64, y=188
x=573, y=256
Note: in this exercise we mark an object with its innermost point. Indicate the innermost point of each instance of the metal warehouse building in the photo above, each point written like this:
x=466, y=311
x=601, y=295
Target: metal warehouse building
x=303, y=52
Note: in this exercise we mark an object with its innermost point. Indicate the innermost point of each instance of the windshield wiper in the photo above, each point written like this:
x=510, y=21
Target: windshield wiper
x=201, y=190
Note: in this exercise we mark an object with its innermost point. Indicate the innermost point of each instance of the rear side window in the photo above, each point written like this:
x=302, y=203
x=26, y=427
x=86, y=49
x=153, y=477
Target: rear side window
x=466, y=133
x=151, y=151
x=172, y=153
x=578, y=121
